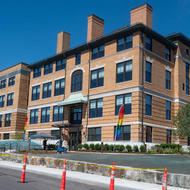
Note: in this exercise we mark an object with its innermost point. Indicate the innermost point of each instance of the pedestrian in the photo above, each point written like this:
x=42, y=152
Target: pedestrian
x=45, y=143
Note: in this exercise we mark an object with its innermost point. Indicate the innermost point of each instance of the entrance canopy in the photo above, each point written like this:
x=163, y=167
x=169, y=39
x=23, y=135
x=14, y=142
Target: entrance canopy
x=74, y=99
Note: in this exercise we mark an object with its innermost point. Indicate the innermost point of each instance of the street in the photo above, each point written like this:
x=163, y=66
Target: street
x=9, y=179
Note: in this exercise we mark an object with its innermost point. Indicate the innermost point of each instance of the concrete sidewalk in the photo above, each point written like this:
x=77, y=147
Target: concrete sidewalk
x=85, y=178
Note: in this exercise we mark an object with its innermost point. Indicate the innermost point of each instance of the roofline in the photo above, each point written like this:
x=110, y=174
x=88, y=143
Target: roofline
x=179, y=37
x=114, y=35
x=141, y=6
x=14, y=66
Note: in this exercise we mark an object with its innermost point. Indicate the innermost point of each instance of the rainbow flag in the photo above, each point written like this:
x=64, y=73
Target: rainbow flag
x=120, y=121
x=26, y=119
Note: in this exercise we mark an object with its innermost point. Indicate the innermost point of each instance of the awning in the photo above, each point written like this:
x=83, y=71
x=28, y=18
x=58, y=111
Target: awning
x=74, y=99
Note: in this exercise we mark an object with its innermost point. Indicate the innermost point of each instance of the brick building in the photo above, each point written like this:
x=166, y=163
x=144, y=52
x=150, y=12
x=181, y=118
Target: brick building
x=14, y=88
x=81, y=89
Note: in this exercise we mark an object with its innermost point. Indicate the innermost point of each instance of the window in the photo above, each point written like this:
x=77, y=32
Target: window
x=96, y=108
x=124, y=71
x=148, y=43
x=10, y=99
x=55, y=134
x=187, y=78
x=97, y=78
x=31, y=133
x=12, y=81
x=124, y=43
x=34, y=116
x=168, y=110
x=148, y=105
x=98, y=52
x=2, y=101
x=167, y=54
x=60, y=64
x=188, y=141
x=76, y=115
x=94, y=134
x=5, y=136
x=76, y=84
x=47, y=90
x=148, y=134
x=78, y=59
x=1, y=120
x=8, y=120
x=148, y=73
x=58, y=113
x=187, y=52
x=37, y=72
x=36, y=92
x=168, y=80
x=168, y=136
x=3, y=83
x=59, y=87
x=125, y=134
x=126, y=100
x=48, y=68
x=45, y=115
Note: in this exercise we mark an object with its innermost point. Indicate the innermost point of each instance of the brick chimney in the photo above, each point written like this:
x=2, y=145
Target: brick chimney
x=63, y=42
x=142, y=14
x=95, y=28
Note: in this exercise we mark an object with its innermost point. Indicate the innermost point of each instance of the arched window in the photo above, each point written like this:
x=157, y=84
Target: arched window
x=76, y=84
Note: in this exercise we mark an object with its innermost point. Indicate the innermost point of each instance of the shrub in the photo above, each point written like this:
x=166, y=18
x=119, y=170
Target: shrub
x=135, y=148
x=122, y=148
x=106, y=147
x=119, y=148
x=92, y=146
x=79, y=146
x=129, y=148
x=111, y=147
x=97, y=147
x=86, y=146
x=142, y=148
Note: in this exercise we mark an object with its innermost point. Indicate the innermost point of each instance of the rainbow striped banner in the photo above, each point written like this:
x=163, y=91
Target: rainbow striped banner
x=120, y=121
x=24, y=136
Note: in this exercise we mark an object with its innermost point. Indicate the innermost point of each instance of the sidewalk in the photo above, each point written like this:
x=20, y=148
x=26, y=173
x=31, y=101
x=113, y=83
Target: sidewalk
x=86, y=178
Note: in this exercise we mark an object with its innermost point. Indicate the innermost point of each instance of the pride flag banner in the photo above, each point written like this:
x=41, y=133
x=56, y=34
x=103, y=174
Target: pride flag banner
x=120, y=121
x=24, y=136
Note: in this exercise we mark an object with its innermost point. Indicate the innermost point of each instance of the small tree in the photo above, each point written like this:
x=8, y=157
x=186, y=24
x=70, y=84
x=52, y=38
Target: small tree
x=182, y=122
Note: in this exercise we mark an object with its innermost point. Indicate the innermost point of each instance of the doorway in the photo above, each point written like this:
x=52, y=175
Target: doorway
x=74, y=140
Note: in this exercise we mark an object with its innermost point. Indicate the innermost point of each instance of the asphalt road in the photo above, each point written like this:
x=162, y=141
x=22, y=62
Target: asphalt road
x=9, y=179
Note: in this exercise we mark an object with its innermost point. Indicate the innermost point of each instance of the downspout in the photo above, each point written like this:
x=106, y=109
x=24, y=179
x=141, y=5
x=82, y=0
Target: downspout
x=142, y=94
x=87, y=108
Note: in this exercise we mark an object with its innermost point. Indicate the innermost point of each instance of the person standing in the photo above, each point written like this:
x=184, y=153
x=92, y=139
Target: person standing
x=45, y=144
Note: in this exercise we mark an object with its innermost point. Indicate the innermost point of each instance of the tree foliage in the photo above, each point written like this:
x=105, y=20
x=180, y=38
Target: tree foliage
x=182, y=122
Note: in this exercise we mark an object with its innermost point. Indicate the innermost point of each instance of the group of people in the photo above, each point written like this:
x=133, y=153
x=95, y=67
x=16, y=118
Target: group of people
x=60, y=149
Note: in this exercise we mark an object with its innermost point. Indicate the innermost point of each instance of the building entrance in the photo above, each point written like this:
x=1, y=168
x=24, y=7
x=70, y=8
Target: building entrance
x=74, y=140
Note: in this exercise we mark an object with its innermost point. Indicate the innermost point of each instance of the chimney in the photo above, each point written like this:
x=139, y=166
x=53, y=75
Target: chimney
x=142, y=14
x=95, y=28
x=63, y=42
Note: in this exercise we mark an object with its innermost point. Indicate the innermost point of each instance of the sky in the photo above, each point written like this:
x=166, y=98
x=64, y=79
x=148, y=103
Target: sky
x=28, y=28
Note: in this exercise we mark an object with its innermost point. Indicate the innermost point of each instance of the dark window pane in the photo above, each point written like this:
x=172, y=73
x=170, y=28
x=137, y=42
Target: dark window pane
x=124, y=71
x=96, y=108
x=148, y=105
x=78, y=59
x=77, y=79
x=94, y=134
x=148, y=76
x=37, y=72
x=98, y=52
x=148, y=134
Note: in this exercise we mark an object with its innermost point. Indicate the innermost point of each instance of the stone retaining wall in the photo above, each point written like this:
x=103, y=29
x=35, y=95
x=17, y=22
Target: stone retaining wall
x=177, y=180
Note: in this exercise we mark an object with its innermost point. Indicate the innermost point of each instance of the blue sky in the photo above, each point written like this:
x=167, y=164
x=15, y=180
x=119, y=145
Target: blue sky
x=28, y=28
